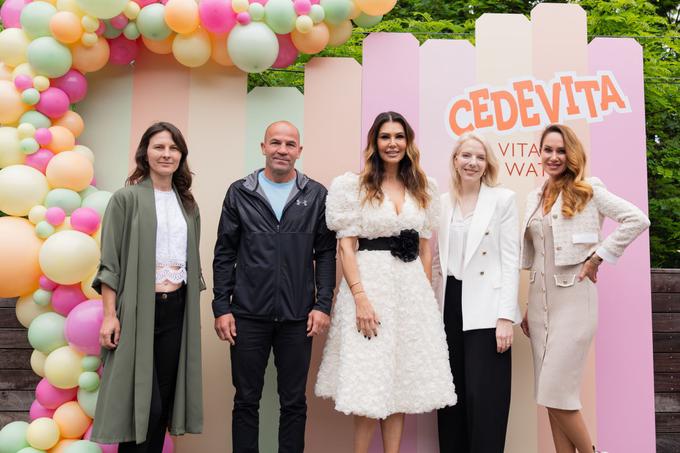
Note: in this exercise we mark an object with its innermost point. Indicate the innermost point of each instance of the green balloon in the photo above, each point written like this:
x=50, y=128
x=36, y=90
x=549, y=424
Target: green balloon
x=48, y=57
x=317, y=14
x=35, y=118
x=44, y=230
x=253, y=47
x=98, y=201
x=29, y=145
x=337, y=11
x=13, y=437
x=66, y=199
x=83, y=446
x=111, y=32
x=256, y=11
x=90, y=363
x=87, y=192
x=103, y=9
x=46, y=332
x=35, y=19
x=41, y=296
x=30, y=450
x=280, y=15
x=151, y=22
x=88, y=401
x=366, y=21
x=30, y=96
x=131, y=31
x=88, y=381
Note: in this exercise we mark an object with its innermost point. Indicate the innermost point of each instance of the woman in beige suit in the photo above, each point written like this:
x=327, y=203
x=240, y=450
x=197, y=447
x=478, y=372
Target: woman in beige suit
x=562, y=248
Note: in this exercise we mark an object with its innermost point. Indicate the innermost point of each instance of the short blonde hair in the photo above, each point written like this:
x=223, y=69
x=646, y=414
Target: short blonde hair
x=490, y=176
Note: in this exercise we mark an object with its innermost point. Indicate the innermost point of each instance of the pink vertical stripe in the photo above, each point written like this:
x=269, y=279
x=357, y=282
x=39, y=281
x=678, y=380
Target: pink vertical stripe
x=625, y=372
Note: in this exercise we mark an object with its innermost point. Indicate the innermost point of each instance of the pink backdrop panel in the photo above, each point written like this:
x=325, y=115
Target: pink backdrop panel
x=625, y=372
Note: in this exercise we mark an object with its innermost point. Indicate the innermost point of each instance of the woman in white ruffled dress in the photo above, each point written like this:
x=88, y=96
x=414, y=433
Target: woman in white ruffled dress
x=386, y=353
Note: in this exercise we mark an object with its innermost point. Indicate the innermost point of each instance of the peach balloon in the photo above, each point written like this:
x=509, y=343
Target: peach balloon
x=27, y=310
x=219, y=53
x=376, y=7
x=312, y=42
x=65, y=27
x=90, y=59
x=69, y=170
x=62, y=139
x=162, y=47
x=62, y=445
x=12, y=105
x=71, y=121
x=5, y=72
x=86, y=285
x=71, y=420
x=339, y=34
x=19, y=248
x=182, y=15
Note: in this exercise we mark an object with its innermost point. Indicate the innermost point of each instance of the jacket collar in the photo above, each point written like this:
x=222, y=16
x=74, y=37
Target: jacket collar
x=251, y=182
x=484, y=209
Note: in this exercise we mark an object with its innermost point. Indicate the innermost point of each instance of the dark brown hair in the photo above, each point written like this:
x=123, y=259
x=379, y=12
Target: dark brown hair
x=181, y=178
x=409, y=171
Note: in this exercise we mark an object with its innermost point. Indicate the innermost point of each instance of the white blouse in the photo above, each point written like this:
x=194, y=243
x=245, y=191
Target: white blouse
x=171, y=239
x=458, y=233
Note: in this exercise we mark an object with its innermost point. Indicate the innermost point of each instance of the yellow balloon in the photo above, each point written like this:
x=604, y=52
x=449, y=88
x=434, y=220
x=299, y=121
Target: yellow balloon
x=192, y=50
x=10, y=100
x=38, y=361
x=132, y=10
x=89, y=39
x=65, y=226
x=240, y=6
x=68, y=257
x=182, y=15
x=37, y=214
x=304, y=24
x=86, y=285
x=69, y=170
x=10, y=149
x=71, y=420
x=13, y=46
x=70, y=6
x=21, y=188
x=41, y=83
x=62, y=367
x=42, y=433
x=90, y=24
x=376, y=7
x=339, y=34
x=5, y=72
x=19, y=249
x=27, y=310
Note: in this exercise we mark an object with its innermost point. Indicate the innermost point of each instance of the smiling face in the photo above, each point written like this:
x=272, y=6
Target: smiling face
x=553, y=155
x=470, y=161
x=163, y=155
x=281, y=148
x=391, y=142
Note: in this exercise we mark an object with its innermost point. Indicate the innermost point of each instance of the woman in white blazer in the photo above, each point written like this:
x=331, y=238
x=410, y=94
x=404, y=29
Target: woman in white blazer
x=562, y=247
x=476, y=272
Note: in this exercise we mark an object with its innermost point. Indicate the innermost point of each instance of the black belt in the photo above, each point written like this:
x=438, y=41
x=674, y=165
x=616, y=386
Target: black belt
x=404, y=247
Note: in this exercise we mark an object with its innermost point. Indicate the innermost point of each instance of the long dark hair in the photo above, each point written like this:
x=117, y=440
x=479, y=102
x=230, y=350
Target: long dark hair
x=181, y=178
x=409, y=171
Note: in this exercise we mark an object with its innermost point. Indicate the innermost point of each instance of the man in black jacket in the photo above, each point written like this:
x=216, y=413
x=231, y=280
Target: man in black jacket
x=274, y=276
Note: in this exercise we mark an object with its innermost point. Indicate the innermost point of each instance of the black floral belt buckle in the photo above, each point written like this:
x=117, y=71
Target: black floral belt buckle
x=405, y=246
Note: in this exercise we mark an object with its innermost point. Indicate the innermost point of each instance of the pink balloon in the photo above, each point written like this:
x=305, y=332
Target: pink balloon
x=288, y=53
x=144, y=3
x=43, y=136
x=123, y=51
x=82, y=327
x=10, y=13
x=55, y=216
x=85, y=220
x=39, y=159
x=47, y=284
x=106, y=448
x=101, y=29
x=37, y=410
x=66, y=297
x=51, y=397
x=243, y=18
x=73, y=83
x=23, y=82
x=119, y=22
x=217, y=16
x=302, y=7
x=54, y=102
x=261, y=2
x=168, y=446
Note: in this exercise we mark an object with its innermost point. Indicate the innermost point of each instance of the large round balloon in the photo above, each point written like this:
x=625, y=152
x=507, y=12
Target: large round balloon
x=253, y=47
x=68, y=257
x=98, y=201
x=314, y=41
x=62, y=445
x=217, y=16
x=52, y=397
x=19, y=249
x=38, y=362
x=13, y=437
x=46, y=332
x=103, y=9
x=66, y=199
x=71, y=419
x=92, y=58
x=288, y=53
x=65, y=27
x=365, y=21
x=376, y=7
x=10, y=148
x=13, y=45
x=88, y=401
x=339, y=34
x=336, y=11
x=73, y=83
x=10, y=100
x=280, y=16
x=182, y=15
x=82, y=327
x=21, y=188
x=151, y=22
x=83, y=446
x=35, y=19
x=192, y=49
x=123, y=51
x=66, y=297
x=10, y=12
x=42, y=433
x=49, y=57
x=27, y=310
x=62, y=367
x=69, y=170
x=71, y=121
x=62, y=139
x=37, y=410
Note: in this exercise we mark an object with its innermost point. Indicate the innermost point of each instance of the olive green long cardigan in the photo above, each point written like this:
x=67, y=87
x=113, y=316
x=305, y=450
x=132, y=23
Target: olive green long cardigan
x=128, y=266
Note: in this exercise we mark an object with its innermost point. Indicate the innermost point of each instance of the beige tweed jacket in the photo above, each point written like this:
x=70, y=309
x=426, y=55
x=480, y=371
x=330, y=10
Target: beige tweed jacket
x=579, y=236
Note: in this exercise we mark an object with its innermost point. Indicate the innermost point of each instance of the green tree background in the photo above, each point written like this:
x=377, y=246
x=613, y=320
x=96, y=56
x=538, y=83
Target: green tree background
x=655, y=24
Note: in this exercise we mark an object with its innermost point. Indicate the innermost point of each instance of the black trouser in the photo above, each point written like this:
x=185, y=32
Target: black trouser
x=292, y=354
x=167, y=341
x=477, y=424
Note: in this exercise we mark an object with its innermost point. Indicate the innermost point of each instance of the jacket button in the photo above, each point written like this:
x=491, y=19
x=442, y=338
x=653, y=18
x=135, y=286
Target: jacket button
x=481, y=273
x=164, y=296
x=558, y=248
x=486, y=233
x=484, y=253
x=554, y=216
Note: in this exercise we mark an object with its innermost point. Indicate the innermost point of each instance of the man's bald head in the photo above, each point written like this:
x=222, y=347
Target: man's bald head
x=285, y=127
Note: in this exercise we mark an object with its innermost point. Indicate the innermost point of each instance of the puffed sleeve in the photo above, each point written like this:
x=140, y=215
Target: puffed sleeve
x=111, y=244
x=343, y=210
x=432, y=211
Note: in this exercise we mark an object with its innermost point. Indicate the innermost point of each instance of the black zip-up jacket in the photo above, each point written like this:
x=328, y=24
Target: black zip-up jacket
x=271, y=270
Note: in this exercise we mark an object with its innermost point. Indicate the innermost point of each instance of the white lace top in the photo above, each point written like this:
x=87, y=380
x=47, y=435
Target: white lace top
x=171, y=239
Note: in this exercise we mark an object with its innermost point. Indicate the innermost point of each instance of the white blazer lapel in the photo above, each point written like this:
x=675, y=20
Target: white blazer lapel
x=486, y=205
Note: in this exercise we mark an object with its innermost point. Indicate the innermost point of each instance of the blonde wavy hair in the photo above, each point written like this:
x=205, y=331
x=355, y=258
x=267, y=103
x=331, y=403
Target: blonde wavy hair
x=410, y=173
x=576, y=191
x=490, y=176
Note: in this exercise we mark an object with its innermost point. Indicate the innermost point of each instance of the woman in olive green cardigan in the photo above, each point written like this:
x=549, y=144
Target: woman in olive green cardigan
x=150, y=280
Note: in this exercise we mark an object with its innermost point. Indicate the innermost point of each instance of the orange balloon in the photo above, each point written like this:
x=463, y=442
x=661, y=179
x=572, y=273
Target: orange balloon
x=182, y=15
x=219, y=53
x=65, y=27
x=62, y=139
x=19, y=249
x=90, y=59
x=71, y=420
x=314, y=41
x=376, y=7
x=71, y=121
x=162, y=47
x=339, y=34
x=69, y=170
x=61, y=445
x=11, y=106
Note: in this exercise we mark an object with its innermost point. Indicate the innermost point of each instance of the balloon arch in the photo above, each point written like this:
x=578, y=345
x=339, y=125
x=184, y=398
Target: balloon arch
x=50, y=207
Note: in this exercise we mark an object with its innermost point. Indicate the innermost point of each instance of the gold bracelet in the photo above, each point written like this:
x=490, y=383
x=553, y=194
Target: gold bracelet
x=354, y=284
x=358, y=292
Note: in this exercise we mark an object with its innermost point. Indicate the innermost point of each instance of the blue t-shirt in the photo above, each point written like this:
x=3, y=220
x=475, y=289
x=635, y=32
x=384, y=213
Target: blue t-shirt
x=277, y=192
